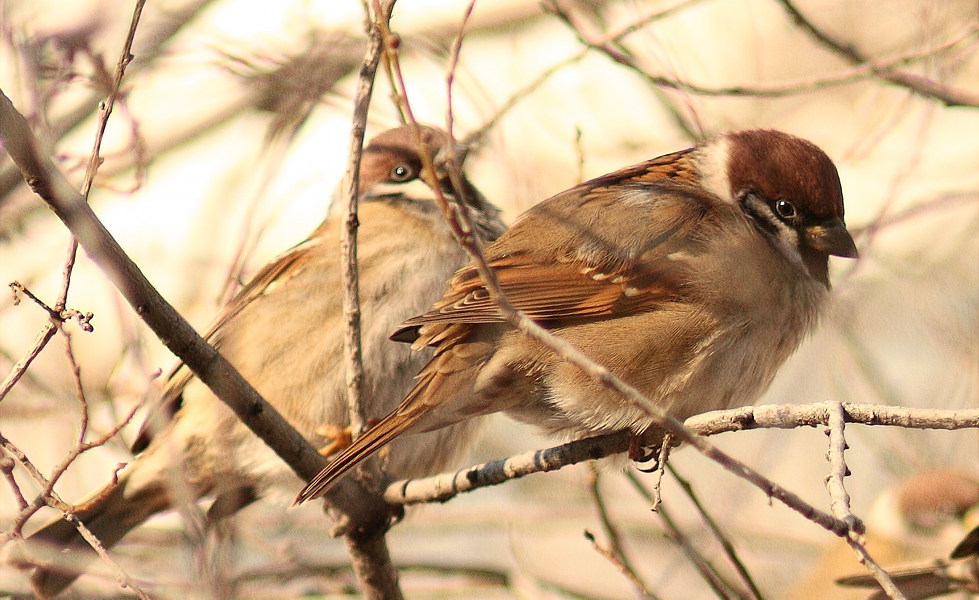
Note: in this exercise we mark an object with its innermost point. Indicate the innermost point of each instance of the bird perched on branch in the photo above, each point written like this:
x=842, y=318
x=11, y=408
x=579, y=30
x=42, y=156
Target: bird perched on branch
x=284, y=332
x=692, y=277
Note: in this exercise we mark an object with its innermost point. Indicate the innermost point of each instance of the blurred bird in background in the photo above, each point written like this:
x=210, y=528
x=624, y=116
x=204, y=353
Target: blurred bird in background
x=911, y=528
x=284, y=332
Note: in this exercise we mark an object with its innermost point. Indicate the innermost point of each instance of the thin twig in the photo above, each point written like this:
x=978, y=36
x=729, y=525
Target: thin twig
x=50, y=497
x=661, y=461
x=719, y=535
x=864, y=69
x=368, y=550
x=352, y=354
x=839, y=499
x=18, y=370
x=918, y=84
x=617, y=561
x=704, y=567
x=7, y=465
x=478, y=134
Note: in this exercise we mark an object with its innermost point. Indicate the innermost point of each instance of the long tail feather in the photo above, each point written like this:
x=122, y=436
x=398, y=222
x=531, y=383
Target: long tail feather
x=375, y=438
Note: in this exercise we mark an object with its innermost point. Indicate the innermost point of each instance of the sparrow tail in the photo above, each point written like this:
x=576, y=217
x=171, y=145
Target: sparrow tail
x=407, y=414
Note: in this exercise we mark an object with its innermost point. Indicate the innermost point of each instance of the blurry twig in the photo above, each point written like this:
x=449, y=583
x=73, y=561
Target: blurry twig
x=919, y=84
x=944, y=202
x=477, y=135
x=617, y=560
x=154, y=38
x=19, y=369
x=615, y=551
x=49, y=497
x=863, y=70
x=704, y=567
x=718, y=534
x=450, y=78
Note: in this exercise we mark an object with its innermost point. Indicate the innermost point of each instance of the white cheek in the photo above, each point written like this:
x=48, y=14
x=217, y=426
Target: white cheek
x=712, y=160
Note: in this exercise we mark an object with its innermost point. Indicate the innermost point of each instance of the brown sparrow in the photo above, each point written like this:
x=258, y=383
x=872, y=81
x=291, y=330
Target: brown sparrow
x=908, y=525
x=692, y=277
x=284, y=332
x=956, y=577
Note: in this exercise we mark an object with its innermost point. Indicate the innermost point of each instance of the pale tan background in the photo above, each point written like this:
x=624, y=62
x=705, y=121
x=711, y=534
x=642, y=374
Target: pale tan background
x=903, y=326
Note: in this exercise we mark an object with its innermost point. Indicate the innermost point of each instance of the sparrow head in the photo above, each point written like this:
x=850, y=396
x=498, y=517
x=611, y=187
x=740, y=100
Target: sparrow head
x=788, y=188
x=392, y=160
x=392, y=167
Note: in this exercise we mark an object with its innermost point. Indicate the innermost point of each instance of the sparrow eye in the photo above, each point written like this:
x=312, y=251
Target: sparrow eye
x=785, y=209
x=401, y=173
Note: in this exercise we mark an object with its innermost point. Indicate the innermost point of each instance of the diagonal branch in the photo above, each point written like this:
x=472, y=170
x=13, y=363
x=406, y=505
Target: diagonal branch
x=172, y=329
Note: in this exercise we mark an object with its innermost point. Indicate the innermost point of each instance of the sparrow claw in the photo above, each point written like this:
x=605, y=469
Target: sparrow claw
x=339, y=438
x=640, y=453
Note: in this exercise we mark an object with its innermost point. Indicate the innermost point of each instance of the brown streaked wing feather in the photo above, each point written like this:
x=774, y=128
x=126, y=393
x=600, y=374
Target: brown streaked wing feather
x=291, y=260
x=171, y=398
x=558, y=284
x=916, y=583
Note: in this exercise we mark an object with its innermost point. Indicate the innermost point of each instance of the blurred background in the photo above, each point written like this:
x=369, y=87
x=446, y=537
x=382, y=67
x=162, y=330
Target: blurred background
x=232, y=132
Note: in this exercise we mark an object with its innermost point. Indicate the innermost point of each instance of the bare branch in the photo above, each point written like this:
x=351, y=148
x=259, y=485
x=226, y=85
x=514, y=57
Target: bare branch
x=919, y=84
x=885, y=69
x=442, y=487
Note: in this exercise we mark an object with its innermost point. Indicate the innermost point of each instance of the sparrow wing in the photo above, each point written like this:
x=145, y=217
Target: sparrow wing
x=916, y=583
x=266, y=280
x=583, y=272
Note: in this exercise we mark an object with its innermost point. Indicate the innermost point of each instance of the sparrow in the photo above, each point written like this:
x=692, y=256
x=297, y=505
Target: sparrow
x=284, y=332
x=908, y=526
x=958, y=575
x=691, y=277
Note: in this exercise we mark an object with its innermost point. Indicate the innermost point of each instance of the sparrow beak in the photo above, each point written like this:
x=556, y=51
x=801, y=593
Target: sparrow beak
x=831, y=237
x=457, y=153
